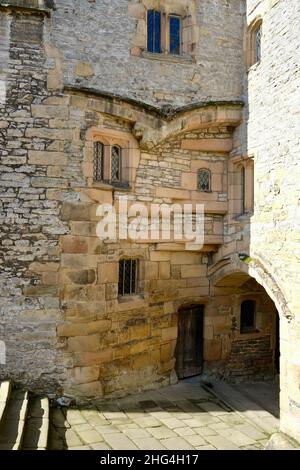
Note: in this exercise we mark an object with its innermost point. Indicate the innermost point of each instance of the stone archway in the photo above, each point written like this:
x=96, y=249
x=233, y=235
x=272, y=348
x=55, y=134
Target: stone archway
x=231, y=273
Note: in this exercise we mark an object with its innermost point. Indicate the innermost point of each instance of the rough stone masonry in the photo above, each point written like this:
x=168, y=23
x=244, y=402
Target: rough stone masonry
x=76, y=74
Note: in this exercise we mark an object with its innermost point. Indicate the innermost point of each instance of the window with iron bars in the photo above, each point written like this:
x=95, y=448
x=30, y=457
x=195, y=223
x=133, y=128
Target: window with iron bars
x=128, y=277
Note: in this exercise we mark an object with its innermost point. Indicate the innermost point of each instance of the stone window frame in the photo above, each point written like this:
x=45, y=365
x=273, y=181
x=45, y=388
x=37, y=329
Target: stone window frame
x=140, y=278
x=241, y=194
x=189, y=30
x=130, y=158
x=251, y=56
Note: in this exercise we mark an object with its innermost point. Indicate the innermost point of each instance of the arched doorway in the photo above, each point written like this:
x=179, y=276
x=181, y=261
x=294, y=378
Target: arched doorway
x=189, y=348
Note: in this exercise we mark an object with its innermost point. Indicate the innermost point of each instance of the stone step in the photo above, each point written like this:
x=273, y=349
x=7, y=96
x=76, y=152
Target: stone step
x=5, y=389
x=37, y=425
x=13, y=421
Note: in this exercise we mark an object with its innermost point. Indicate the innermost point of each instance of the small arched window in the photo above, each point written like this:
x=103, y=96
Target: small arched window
x=254, y=50
x=248, y=316
x=98, y=161
x=257, y=42
x=204, y=180
x=116, y=164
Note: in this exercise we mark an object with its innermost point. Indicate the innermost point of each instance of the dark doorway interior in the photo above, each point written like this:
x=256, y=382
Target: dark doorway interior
x=277, y=347
x=189, y=350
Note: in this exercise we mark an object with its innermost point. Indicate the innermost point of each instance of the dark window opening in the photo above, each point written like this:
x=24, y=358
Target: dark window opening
x=128, y=272
x=175, y=35
x=154, y=31
x=243, y=189
x=98, y=161
x=204, y=180
x=248, y=316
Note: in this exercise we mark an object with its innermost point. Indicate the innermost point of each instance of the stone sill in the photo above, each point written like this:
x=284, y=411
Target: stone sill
x=110, y=187
x=250, y=335
x=175, y=59
x=254, y=67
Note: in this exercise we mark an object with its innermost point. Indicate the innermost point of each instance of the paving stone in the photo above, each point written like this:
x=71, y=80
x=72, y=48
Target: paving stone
x=75, y=417
x=109, y=429
x=82, y=427
x=186, y=431
x=148, y=443
x=80, y=448
x=90, y=436
x=221, y=443
x=196, y=440
x=136, y=433
x=100, y=446
x=237, y=437
x=72, y=439
x=147, y=421
x=176, y=443
x=219, y=426
x=119, y=441
x=171, y=423
x=251, y=431
x=161, y=432
x=205, y=431
x=198, y=422
x=213, y=408
x=114, y=415
x=208, y=447
x=93, y=417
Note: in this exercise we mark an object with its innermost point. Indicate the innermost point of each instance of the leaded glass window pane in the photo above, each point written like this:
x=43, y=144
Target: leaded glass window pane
x=258, y=35
x=204, y=180
x=127, y=277
x=116, y=164
x=98, y=161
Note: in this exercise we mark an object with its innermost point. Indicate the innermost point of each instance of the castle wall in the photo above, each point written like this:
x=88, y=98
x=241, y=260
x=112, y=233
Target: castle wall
x=273, y=139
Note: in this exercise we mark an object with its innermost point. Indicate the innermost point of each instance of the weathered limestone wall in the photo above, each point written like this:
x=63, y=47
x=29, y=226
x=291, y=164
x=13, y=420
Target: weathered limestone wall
x=273, y=138
x=30, y=224
x=104, y=61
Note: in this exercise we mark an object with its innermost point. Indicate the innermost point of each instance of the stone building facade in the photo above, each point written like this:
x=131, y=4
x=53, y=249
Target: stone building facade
x=78, y=83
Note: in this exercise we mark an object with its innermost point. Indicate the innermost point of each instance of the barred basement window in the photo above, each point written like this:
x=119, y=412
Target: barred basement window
x=128, y=273
x=248, y=316
x=204, y=180
x=98, y=161
x=116, y=163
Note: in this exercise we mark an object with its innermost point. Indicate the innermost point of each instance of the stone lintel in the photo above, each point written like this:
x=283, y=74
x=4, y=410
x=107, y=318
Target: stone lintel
x=208, y=145
x=34, y=7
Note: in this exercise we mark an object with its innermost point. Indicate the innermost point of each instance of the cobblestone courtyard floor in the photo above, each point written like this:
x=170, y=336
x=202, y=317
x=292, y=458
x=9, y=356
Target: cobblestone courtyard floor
x=181, y=417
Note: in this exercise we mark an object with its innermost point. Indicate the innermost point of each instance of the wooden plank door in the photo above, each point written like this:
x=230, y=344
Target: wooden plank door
x=189, y=350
